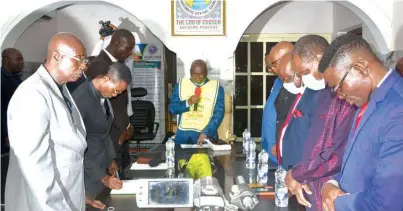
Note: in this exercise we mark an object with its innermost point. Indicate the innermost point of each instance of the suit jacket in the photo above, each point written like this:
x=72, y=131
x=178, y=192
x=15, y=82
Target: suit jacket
x=119, y=103
x=9, y=83
x=47, y=139
x=269, y=120
x=372, y=165
x=100, y=151
x=298, y=127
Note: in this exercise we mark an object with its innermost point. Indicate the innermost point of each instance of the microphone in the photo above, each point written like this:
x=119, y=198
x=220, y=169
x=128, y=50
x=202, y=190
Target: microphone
x=197, y=93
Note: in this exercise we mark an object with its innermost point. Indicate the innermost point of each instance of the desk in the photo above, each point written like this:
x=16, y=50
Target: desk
x=228, y=167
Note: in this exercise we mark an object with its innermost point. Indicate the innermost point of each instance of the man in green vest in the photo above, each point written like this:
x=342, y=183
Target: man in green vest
x=199, y=102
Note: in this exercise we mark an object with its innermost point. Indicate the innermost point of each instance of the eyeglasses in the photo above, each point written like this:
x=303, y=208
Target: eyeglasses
x=80, y=60
x=342, y=80
x=271, y=64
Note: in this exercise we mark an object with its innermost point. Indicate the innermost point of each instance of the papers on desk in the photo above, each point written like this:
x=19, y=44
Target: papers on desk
x=194, y=146
x=129, y=187
x=215, y=147
x=136, y=166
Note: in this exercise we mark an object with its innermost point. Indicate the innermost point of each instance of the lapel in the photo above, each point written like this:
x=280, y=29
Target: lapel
x=377, y=97
x=52, y=86
x=105, y=57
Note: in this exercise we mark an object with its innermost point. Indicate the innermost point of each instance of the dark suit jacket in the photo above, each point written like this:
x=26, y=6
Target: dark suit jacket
x=100, y=151
x=119, y=103
x=9, y=84
x=297, y=130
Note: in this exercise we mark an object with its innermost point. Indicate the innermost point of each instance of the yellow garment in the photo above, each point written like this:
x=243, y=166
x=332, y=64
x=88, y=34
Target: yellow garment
x=198, y=120
x=198, y=167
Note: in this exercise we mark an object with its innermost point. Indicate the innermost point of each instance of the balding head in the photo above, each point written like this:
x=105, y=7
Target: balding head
x=284, y=68
x=198, y=71
x=12, y=60
x=399, y=66
x=121, y=45
x=66, y=58
x=278, y=51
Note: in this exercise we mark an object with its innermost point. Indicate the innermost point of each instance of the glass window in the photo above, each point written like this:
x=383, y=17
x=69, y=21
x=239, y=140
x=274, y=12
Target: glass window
x=256, y=57
x=241, y=58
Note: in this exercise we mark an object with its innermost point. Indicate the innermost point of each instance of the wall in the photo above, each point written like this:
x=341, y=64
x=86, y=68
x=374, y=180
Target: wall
x=157, y=18
x=78, y=20
x=295, y=17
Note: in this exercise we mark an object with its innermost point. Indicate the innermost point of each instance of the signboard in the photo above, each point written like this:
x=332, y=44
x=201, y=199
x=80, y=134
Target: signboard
x=198, y=17
x=147, y=56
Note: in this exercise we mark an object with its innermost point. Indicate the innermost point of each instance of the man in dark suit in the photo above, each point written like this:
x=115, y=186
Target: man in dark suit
x=12, y=64
x=92, y=99
x=119, y=49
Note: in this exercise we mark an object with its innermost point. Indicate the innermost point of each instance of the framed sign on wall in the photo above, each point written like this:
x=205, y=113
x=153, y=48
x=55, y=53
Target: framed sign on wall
x=198, y=17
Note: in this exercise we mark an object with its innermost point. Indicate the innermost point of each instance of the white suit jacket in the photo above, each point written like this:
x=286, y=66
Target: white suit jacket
x=47, y=148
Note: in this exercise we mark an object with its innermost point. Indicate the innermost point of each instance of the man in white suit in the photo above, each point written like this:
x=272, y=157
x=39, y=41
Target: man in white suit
x=47, y=134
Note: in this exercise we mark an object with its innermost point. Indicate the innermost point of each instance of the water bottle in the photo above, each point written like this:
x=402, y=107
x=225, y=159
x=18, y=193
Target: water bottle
x=262, y=167
x=251, y=154
x=170, y=173
x=280, y=188
x=245, y=140
x=170, y=153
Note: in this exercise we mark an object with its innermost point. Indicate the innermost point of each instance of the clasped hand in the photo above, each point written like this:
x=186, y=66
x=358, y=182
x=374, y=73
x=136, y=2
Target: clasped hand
x=297, y=189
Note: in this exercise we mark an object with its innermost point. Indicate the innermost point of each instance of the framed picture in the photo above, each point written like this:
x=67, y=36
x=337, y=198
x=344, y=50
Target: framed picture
x=198, y=17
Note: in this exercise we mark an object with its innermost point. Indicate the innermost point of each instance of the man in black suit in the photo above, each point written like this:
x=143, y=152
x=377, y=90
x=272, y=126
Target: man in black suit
x=12, y=64
x=119, y=49
x=92, y=99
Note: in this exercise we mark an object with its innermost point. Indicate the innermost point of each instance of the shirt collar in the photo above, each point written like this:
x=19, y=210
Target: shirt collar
x=384, y=78
x=110, y=56
x=97, y=93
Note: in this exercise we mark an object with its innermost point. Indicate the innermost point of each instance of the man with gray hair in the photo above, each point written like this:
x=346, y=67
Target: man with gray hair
x=92, y=99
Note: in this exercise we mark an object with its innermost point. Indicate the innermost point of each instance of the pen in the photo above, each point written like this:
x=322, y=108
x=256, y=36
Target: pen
x=117, y=175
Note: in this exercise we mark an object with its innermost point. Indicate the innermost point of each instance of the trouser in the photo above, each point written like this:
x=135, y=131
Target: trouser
x=123, y=156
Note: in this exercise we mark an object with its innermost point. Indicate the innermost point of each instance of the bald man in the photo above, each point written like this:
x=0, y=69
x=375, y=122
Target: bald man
x=12, y=65
x=201, y=114
x=278, y=103
x=47, y=134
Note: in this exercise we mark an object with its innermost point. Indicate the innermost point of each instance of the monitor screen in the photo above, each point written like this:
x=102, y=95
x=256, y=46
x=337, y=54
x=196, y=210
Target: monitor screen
x=168, y=192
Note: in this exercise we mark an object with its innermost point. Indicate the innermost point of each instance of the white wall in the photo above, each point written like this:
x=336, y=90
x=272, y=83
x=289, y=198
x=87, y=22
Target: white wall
x=240, y=14
x=295, y=17
x=77, y=19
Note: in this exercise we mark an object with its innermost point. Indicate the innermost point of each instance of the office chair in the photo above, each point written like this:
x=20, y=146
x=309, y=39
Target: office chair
x=143, y=119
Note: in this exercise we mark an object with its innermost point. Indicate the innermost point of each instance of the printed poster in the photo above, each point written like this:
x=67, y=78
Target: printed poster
x=147, y=56
x=198, y=17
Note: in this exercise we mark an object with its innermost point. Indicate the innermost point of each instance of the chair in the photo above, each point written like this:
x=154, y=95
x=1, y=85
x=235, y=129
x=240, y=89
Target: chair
x=225, y=129
x=143, y=119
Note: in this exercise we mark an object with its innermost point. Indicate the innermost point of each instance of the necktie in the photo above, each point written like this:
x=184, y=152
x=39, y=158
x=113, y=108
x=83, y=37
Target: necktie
x=106, y=108
x=286, y=121
x=359, y=116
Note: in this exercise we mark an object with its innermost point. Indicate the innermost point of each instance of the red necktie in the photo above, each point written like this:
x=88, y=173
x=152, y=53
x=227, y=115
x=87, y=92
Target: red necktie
x=286, y=121
x=359, y=116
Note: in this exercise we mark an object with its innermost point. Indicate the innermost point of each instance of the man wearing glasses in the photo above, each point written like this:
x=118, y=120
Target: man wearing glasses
x=328, y=130
x=279, y=102
x=119, y=49
x=47, y=134
x=371, y=177
x=92, y=99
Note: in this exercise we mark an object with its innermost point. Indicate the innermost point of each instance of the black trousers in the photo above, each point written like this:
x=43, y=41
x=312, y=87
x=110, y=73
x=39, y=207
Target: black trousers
x=123, y=157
